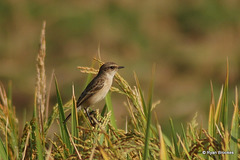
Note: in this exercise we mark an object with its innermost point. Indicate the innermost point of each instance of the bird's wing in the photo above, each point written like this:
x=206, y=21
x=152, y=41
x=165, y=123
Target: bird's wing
x=94, y=86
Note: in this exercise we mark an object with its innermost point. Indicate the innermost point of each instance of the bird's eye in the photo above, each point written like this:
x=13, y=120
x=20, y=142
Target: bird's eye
x=112, y=67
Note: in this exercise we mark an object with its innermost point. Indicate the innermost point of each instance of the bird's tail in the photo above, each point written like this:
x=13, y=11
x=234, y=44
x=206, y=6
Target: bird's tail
x=67, y=118
x=78, y=108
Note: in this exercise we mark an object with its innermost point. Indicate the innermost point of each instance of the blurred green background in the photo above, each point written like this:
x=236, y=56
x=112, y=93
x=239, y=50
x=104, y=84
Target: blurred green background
x=188, y=40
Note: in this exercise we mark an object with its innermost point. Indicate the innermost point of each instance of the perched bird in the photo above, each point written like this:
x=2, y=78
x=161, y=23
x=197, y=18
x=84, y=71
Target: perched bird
x=97, y=89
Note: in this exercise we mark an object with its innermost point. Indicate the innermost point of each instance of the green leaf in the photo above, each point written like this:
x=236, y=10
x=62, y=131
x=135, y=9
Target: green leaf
x=104, y=110
x=149, y=115
x=211, y=118
x=174, y=136
x=185, y=138
x=37, y=133
x=74, y=118
x=224, y=115
x=63, y=127
x=3, y=152
x=184, y=148
x=141, y=94
x=110, y=108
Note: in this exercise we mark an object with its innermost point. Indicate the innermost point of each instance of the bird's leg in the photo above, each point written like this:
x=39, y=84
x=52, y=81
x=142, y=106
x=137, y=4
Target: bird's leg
x=92, y=123
x=93, y=115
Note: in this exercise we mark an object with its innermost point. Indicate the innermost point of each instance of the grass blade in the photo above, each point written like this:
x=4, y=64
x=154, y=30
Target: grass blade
x=163, y=149
x=224, y=115
x=74, y=146
x=147, y=134
x=74, y=117
x=184, y=148
x=174, y=139
x=234, y=130
x=211, y=120
x=110, y=108
x=141, y=94
x=185, y=137
x=104, y=110
x=218, y=108
x=36, y=128
x=63, y=127
x=3, y=151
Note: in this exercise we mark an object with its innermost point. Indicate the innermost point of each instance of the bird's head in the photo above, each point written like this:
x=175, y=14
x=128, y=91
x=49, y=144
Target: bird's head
x=109, y=68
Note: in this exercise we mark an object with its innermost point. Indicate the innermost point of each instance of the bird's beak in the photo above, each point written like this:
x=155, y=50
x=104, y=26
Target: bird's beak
x=120, y=67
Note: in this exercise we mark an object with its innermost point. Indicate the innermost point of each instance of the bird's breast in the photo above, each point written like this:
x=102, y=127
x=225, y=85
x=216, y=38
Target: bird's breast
x=98, y=96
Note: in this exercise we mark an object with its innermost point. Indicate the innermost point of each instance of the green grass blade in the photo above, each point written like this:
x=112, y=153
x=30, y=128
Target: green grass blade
x=174, y=136
x=224, y=115
x=211, y=122
x=104, y=110
x=235, y=130
x=218, y=107
x=38, y=137
x=110, y=108
x=13, y=121
x=63, y=127
x=3, y=151
x=185, y=137
x=141, y=94
x=74, y=119
x=147, y=136
x=147, y=133
x=36, y=132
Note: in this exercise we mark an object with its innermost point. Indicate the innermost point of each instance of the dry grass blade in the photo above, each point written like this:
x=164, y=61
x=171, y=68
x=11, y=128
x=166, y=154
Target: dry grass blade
x=26, y=144
x=184, y=148
x=93, y=151
x=3, y=95
x=163, y=150
x=41, y=78
x=71, y=139
x=104, y=154
x=48, y=152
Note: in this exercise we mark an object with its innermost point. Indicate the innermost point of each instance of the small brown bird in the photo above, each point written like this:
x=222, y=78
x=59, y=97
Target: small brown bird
x=98, y=88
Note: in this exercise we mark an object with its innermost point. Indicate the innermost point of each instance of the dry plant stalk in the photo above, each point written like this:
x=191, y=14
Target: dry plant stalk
x=41, y=78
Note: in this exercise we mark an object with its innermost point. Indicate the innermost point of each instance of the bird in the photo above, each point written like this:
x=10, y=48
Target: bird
x=98, y=88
